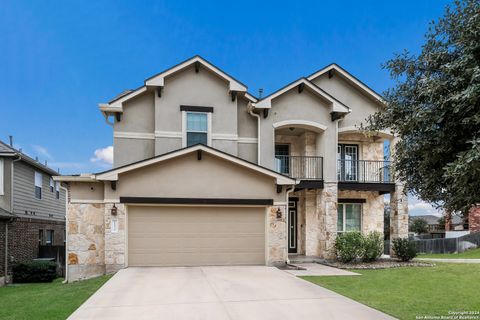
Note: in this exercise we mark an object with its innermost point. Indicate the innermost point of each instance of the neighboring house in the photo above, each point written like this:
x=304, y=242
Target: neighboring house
x=32, y=208
x=205, y=173
x=433, y=222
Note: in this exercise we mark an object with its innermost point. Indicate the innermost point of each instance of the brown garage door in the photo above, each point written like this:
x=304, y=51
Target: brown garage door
x=192, y=236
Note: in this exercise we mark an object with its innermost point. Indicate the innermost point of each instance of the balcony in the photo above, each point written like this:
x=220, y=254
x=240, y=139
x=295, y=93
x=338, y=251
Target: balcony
x=364, y=171
x=300, y=167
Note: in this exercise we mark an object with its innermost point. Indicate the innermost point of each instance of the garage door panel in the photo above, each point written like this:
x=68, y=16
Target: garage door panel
x=175, y=236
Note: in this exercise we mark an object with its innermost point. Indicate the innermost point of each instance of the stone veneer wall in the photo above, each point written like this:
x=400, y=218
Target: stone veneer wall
x=373, y=208
x=115, y=242
x=85, y=241
x=398, y=213
x=277, y=237
x=327, y=209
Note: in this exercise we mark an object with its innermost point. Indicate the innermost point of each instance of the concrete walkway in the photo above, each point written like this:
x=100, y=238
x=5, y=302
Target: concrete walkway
x=448, y=260
x=255, y=292
x=315, y=269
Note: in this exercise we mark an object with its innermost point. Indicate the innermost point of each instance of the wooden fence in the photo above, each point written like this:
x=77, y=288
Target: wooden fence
x=444, y=245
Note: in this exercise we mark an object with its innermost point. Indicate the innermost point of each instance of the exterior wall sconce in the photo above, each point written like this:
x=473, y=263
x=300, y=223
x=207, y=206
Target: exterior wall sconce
x=114, y=210
x=279, y=213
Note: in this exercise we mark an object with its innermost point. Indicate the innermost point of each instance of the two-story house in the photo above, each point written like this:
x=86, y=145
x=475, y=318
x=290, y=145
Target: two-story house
x=205, y=173
x=32, y=208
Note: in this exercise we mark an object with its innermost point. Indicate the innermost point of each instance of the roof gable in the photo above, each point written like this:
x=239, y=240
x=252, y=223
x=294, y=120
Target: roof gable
x=333, y=68
x=337, y=106
x=112, y=175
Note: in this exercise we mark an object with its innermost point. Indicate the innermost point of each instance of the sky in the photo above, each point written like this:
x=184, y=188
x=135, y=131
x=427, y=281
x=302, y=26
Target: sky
x=60, y=59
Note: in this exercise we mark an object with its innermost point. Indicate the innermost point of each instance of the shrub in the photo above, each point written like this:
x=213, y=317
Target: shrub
x=36, y=271
x=404, y=249
x=348, y=246
x=372, y=246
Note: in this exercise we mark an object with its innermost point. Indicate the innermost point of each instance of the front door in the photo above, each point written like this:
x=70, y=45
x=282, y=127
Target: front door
x=292, y=226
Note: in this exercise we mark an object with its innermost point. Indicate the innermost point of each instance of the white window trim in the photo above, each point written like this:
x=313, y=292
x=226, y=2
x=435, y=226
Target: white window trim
x=52, y=185
x=345, y=215
x=2, y=176
x=184, y=127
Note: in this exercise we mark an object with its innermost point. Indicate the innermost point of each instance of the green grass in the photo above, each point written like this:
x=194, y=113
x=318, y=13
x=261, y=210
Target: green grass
x=409, y=292
x=46, y=300
x=469, y=254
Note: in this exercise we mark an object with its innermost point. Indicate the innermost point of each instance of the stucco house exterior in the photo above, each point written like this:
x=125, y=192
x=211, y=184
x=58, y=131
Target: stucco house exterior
x=32, y=209
x=205, y=173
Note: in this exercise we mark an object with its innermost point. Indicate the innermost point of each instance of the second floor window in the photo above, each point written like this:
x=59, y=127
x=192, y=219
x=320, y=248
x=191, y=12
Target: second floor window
x=1, y=176
x=52, y=184
x=38, y=185
x=57, y=190
x=197, y=128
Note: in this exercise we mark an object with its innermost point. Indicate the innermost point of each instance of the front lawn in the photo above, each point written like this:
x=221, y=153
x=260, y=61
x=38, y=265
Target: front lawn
x=46, y=300
x=409, y=292
x=469, y=254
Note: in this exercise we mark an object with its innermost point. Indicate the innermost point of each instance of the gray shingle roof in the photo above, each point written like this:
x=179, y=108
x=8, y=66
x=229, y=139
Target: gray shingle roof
x=5, y=148
x=4, y=214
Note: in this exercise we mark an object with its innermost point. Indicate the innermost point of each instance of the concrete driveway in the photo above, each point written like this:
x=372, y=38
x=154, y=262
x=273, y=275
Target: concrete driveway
x=211, y=293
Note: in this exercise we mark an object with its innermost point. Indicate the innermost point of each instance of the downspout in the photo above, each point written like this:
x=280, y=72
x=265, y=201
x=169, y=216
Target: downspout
x=287, y=222
x=11, y=210
x=66, y=232
x=253, y=114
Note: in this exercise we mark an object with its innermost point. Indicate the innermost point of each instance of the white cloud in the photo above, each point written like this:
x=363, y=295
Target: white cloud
x=103, y=156
x=418, y=207
x=42, y=151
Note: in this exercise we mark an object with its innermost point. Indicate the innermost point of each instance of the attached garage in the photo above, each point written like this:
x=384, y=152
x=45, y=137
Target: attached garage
x=195, y=235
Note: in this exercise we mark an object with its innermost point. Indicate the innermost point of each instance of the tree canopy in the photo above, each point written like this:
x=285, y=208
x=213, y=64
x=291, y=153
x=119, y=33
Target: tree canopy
x=434, y=108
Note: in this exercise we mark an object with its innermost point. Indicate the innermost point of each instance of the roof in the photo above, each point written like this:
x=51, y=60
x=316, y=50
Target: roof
x=112, y=174
x=266, y=102
x=4, y=214
x=350, y=78
x=7, y=150
x=158, y=81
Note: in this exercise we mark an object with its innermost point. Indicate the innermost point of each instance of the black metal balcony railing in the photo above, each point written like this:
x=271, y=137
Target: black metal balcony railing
x=370, y=171
x=300, y=167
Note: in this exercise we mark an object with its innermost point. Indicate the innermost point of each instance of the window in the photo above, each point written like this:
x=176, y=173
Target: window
x=349, y=217
x=57, y=190
x=40, y=237
x=49, y=238
x=1, y=176
x=38, y=185
x=196, y=128
x=52, y=185
x=282, y=161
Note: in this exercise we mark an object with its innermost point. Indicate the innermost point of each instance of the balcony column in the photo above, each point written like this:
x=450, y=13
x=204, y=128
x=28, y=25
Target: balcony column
x=398, y=213
x=327, y=212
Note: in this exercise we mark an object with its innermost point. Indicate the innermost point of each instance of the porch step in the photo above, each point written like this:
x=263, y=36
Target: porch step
x=304, y=259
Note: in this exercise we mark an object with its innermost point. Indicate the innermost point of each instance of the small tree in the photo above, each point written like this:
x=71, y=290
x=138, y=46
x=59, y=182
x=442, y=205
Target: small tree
x=419, y=226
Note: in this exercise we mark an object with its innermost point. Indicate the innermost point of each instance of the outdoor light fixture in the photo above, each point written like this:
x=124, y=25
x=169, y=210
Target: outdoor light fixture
x=279, y=213
x=114, y=210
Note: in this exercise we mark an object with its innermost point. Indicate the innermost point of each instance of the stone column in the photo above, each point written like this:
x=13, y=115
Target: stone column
x=327, y=212
x=115, y=237
x=277, y=236
x=398, y=213
x=312, y=224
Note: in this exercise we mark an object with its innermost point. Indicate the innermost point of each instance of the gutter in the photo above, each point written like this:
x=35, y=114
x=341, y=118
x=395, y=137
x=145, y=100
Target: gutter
x=66, y=233
x=253, y=114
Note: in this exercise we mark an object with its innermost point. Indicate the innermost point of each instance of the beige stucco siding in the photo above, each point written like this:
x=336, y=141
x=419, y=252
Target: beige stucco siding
x=138, y=115
x=86, y=191
x=127, y=150
x=361, y=106
x=187, y=177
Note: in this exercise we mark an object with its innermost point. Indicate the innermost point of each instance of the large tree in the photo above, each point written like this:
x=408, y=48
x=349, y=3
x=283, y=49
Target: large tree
x=434, y=108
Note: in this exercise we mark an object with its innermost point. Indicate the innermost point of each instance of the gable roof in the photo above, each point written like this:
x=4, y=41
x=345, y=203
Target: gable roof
x=112, y=175
x=6, y=150
x=350, y=78
x=338, y=106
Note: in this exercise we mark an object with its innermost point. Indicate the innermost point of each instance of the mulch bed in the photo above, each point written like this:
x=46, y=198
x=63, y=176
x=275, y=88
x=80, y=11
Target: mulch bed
x=379, y=264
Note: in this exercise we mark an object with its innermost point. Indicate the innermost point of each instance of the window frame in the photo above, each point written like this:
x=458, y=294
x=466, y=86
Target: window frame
x=38, y=187
x=344, y=215
x=52, y=185
x=185, y=131
x=57, y=189
x=49, y=242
